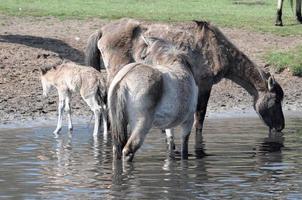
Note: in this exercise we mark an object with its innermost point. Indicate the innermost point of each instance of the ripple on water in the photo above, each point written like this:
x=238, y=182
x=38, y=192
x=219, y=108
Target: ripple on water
x=243, y=163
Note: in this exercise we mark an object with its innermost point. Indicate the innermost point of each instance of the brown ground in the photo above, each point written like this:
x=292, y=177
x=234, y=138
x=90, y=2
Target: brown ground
x=27, y=43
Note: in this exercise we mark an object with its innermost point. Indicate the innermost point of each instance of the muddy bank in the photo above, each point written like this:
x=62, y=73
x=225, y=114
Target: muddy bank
x=27, y=43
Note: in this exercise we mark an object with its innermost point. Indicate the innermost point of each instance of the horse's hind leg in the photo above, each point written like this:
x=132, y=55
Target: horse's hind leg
x=298, y=10
x=68, y=110
x=62, y=96
x=94, y=106
x=137, y=137
x=105, y=124
x=170, y=142
x=186, y=131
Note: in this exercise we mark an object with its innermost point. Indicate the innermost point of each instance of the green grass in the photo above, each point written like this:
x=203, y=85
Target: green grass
x=289, y=59
x=256, y=15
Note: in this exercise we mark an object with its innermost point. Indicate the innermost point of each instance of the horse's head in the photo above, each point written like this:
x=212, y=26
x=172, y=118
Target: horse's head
x=116, y=43
x=48, y=73
x=268, y=105
x=152, y=50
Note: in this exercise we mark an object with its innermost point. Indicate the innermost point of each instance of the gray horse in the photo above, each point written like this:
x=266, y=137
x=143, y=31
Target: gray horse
x=143, y=96
x=213, y=57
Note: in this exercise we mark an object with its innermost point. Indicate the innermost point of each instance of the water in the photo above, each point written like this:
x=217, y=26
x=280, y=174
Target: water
x=243, y=164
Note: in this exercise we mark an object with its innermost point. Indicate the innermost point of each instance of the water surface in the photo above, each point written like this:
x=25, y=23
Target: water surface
x=243, y=163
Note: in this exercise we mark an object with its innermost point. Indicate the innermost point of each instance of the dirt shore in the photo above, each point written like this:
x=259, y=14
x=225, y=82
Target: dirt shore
x=27, y=43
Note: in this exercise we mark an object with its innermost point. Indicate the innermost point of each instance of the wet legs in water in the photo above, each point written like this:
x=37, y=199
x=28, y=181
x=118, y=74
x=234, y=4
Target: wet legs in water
x=137, y=137
x=200, y=114
x=64, y=102
x=170, y=142
x=186, y=131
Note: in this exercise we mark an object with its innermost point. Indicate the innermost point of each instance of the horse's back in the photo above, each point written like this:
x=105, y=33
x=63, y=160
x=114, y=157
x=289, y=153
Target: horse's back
x=80, y=78
x=144, y=82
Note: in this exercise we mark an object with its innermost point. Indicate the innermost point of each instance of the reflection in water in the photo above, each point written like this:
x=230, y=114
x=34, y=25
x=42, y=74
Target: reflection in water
x=243, y=162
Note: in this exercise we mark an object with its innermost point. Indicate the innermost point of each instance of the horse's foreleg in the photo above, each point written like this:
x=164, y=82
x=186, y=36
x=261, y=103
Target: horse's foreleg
x=203, y=98
x=68, y=111
x=170, y=142
x=279, y=13
x=61, y=106
x=298, y=10
x=186, y=130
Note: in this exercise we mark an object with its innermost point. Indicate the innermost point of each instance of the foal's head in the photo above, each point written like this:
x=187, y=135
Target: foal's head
x=48, y=73
x=269, y=105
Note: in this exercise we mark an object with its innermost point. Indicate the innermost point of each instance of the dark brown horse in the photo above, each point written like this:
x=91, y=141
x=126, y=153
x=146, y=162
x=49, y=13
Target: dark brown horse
x=213, y=57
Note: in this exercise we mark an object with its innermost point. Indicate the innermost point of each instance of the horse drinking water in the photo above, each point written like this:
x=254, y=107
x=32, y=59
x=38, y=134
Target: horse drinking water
x=212, y=57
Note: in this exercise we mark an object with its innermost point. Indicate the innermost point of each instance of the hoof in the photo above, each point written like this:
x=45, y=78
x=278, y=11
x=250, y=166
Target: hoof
x=278, y=24
x=200, y=153
x=129, y=157
x=57, y=131
x=70, y=128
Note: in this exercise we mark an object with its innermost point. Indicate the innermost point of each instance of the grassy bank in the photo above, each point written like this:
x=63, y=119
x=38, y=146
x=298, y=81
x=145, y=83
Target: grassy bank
x=256, y=15
x=289, y=59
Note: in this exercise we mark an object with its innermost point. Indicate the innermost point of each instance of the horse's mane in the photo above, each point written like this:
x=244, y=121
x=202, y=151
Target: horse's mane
x=228, y=45
x=169, y=53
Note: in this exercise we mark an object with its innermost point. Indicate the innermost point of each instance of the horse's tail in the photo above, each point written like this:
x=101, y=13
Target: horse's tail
x=92, y=52
x=102, y=98
x=117, y=110
x=102, y=91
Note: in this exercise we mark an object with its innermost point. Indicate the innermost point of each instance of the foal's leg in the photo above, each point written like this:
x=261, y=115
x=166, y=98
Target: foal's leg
x=279, y=13
x=186, y=131
x=62, y=97
x=94, y=106
x=203, y=98
x=137, y=137
x=298, y=10
x=68, y=110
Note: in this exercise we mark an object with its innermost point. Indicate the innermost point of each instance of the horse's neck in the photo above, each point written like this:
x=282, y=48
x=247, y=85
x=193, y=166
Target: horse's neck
x=246, y=74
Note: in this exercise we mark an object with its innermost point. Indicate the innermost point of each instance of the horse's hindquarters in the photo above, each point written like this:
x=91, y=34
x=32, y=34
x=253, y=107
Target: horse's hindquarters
x=179, y=100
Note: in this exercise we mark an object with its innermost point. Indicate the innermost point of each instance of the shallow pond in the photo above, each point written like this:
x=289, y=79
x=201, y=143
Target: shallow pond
x=243, y=163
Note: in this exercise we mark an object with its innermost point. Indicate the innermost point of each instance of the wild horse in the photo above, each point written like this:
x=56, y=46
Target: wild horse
x=163, y=95
x=213, y=57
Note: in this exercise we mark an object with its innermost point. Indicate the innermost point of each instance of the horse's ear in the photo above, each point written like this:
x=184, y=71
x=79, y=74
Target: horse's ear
x=136, y=31
x=146, y=40
x=271, y=83
x=43, y=70
x=200, y=23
